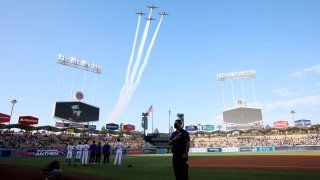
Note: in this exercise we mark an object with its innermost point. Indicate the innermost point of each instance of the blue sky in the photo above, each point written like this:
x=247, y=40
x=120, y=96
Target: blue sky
x=279, y=39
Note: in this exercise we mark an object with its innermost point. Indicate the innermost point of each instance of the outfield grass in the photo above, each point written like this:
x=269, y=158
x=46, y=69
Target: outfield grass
x=158, y=167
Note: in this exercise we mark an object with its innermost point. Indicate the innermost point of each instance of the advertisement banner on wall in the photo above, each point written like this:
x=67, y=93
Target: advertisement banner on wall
x=77, y=125
x=207, y=128
x=297, y=148
x=59, y=124
x=50, y=152
x=149, y=151
x=281, y=124
x=265, y=149
x=198, y=150
x=302, y=122
x=128, y=127
x=112, y=126
x=91, y=127
x=4, y=118
x=191, y=128
x=162, y=151
x=23, y=152
x=232, y=149
x=134, y=151
x=214, y=150
x=247, y=149
x=28, y=120
x=306, y=122
x=70, y=130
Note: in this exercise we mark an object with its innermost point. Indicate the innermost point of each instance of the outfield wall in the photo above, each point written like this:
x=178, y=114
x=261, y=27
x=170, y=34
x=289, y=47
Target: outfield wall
x=257, y=149
x=31, y=152
x=34, y=152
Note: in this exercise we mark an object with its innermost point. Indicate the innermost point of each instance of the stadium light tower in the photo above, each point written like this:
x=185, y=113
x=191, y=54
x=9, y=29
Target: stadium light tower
x=239, y=116
x=79, y=64
x=13, y=102
x=237, y=75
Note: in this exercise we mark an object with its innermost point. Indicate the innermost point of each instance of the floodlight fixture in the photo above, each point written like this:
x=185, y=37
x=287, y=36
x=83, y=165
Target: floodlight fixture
x=80, y=64
x=237, y=75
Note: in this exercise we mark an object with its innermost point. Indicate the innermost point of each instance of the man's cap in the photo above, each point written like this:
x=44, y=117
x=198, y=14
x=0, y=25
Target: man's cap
x=178, y=119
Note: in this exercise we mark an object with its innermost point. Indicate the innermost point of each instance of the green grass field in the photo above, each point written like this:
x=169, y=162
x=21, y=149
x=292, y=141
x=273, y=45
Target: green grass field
x=158, y=167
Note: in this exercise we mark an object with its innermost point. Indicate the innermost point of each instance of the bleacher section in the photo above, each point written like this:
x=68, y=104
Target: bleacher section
x=159, y=140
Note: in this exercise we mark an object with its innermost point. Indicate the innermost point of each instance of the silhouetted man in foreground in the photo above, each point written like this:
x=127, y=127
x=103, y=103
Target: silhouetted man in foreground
x=180, y=142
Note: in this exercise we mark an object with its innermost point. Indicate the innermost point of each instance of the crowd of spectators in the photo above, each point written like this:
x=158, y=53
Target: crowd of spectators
x=11, y=139
x=251, y=141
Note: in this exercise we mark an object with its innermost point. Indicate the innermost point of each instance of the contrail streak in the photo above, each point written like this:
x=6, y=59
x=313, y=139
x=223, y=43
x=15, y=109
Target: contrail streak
x=140, y=51
x=145, y=62
x=132, y=52
x=122, y=96
x=125, y=86
x=130, y=90
x=132, y=83
x=123, y=104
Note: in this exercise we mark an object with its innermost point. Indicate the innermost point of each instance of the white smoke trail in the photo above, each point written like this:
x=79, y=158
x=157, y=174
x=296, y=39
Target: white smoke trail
x=119, y=105
x=125, y=86
x=132, y=52
x=125, y=101
x=130, y=89
x=140, y=51
x=130, y=86
x=145, y=62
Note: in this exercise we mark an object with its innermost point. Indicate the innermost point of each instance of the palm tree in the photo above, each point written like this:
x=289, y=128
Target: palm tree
x=292, y=112
x=156, y=131
x=199, y=127
x=219, y=127
x=171, y=129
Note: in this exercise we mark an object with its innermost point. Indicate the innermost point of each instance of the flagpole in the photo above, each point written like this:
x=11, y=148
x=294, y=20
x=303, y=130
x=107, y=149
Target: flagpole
x=152, y=118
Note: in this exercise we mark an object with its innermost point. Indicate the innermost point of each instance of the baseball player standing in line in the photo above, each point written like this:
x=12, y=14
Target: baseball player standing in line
x=85, y=149
x=118, y=148
x=106, y=152
x=98, y=153
x=78, y=155
x=93, y=149
x=69, y=153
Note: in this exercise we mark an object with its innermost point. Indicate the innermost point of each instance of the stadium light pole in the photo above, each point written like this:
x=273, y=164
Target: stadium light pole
x=13, y=102
x=79, y=64
x=234, y=76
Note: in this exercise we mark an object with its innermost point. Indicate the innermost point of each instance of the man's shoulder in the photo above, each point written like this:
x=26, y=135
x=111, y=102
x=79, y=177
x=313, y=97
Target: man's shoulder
x=174, y=133
x=184, y=131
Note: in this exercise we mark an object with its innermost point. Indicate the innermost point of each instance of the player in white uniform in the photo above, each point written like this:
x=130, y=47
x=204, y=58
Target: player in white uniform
x=85, y=149
x=79, y=151
x=118, y=148
x=69, y=153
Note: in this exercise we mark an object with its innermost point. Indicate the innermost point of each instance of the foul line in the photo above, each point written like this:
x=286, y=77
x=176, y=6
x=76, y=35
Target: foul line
x=258, y=166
